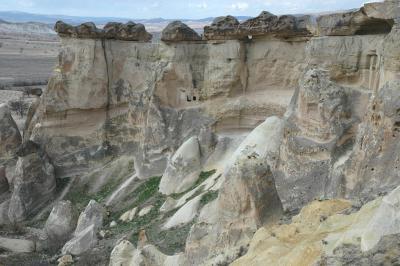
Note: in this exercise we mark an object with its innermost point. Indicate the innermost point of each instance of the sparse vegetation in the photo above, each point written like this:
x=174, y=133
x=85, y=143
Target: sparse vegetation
x=208, y=197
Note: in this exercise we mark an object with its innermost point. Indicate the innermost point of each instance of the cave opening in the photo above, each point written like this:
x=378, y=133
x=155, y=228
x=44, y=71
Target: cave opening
x=375, y=26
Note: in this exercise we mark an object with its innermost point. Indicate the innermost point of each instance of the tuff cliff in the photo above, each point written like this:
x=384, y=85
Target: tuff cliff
x=194, y=145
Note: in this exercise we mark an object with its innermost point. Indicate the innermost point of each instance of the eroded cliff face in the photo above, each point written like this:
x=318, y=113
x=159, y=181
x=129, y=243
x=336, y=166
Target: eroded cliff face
x=194, y=144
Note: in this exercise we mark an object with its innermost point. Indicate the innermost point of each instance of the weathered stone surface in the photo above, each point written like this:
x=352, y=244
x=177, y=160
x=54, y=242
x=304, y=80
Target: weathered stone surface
x=65, y=260
x=128, y=215
x=61, y=223
x=247, y=199
x=129, y=31
x=283, y=26
x=10, y=138
x=372, y=166
x=125, y=253
x=92, y=215
x=17, y=245
x=222, y=28
x=352, y=23
x=83, y=241
x=34, y=182
x=316, y=127
x=4, y=207
x=183, y=169
x=185, y=214
x=64, y=29
x=145, y=210
x=88, y=30
x=385, y=253
x=384, y=222
x=331, y=233
x=177, y=31
x=297, y=243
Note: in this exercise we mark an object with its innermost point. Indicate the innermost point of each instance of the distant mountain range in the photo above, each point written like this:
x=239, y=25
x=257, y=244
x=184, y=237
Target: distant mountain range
x=16, y=16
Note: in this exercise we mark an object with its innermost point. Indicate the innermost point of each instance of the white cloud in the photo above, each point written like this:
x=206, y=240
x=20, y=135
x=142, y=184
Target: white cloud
x=202, y=5
x=239, y=6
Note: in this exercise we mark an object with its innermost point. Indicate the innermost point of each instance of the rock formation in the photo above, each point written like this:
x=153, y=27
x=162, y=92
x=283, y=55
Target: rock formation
x=10, y=137
x=129, y=31
x=176, y=31
x=34, y=182
x=268, y=141
x=61, y=223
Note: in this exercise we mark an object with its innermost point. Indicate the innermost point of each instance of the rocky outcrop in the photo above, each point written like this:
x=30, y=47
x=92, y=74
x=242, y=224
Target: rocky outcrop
x=82, y=242
x=247, y=198
x=126, y=254
x=222, y=28
x=357, y=22
x=92, y=215
x=129, y=31
x=34, y=183
x=316, y=130
x=61, y=223
x=113, y=30
x=282, y=27
x=178, y=31
x=10, y=138
x=85, y=236
x=183, y=170
x=372, y=166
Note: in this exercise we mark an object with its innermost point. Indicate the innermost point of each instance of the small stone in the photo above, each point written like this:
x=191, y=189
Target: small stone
x=145, y=210
x=113, y=224
x=65, y=260
x=102, y=234
x=128, y=215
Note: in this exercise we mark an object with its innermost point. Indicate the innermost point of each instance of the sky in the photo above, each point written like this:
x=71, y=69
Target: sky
x=175, y=8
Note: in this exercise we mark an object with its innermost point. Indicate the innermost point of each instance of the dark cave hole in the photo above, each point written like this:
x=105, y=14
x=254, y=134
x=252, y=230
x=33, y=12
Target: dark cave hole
x=375, y=26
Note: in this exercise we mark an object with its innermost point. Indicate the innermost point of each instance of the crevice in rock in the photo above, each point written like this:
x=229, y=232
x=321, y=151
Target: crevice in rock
x=107, y=122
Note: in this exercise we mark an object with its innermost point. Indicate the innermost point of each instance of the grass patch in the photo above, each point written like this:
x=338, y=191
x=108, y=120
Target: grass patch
x=208, y=197
x=147, y=192
x=80, y=197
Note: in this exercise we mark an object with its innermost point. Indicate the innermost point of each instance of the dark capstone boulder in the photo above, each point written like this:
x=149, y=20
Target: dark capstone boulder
x=113, y=30
x=127, y=32
x=177, y=31
x=284, y=26
x=64, y=29
x=88, y=30
x=222, y=28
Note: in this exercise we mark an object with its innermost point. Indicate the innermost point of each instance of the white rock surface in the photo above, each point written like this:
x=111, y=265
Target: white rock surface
x=92, y=215
x=122, y=254
x=128, y=215
x=185, y=214
x=386, y=221
x=264, y=140
x=61, y=222
x=168, y=205
x=145, y=210
x=17, y=245
x=183, y=169
x=82, y=242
